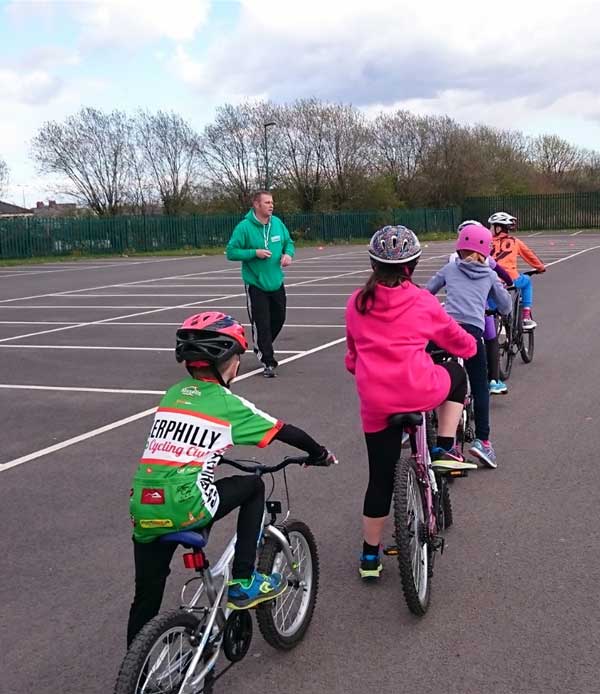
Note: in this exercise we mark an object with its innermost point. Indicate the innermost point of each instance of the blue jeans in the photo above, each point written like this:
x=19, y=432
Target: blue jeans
x=523, y=282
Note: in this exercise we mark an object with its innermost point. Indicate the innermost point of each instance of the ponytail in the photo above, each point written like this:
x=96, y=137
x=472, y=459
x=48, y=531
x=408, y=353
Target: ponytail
x=391, y=275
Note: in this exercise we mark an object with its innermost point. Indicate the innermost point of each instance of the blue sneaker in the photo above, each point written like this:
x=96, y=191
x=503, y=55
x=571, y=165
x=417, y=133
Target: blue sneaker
x=246, y=593
x=370, y=566
x=498, y=387
x=485, y=452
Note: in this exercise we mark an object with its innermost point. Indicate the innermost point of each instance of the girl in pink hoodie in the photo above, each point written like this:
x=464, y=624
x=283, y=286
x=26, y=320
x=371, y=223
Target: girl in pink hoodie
x=389, y=323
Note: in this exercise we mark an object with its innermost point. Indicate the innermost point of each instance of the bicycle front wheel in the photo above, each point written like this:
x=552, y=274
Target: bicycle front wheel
x=159, y=656
x=411, y=537
x=528, y=346
x=284, y=621
x=505, y=349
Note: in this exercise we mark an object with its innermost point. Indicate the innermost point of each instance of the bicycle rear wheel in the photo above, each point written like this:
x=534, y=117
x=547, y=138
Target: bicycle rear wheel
x=411, y=537
x=159, y=656
x=528, y=346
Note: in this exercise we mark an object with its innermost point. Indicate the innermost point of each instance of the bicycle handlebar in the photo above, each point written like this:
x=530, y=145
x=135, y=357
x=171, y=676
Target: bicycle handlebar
x=260, y=469
x=534, y=272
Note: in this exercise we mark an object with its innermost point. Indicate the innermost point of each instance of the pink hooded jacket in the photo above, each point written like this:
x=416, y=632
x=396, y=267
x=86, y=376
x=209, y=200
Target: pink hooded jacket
x=386, y=352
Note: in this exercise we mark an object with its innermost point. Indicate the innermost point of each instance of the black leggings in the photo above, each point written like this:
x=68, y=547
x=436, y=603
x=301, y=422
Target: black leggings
x=458, y=382
x=492, y=348
x=153, y=559
x=477, y=369
x=383, y=450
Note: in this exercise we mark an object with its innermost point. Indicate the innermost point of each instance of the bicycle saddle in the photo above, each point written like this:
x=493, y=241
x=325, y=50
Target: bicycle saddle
x=187, y=538
x=405, y=419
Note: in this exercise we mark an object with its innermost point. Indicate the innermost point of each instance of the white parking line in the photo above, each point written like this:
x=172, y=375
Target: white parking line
x=140, y=415
x=577, y=232
x=101, y=267
x=122, y=348
x=573, y=255
x=101, y=296
x=156, y=323
x=234, y=268
x=157, y=309
x=75, y=389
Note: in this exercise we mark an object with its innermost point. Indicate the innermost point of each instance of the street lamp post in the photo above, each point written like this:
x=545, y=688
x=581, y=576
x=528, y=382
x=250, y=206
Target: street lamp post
x=266, y=127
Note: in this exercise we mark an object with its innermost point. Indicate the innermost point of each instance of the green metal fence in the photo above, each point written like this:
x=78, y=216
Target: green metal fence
x=540, y=212
x=24, y=237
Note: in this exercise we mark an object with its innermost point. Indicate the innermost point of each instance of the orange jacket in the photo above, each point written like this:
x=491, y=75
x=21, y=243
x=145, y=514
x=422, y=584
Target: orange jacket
x=507, y=249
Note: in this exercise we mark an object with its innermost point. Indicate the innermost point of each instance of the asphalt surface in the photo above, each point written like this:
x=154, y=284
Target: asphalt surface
x=515, y=596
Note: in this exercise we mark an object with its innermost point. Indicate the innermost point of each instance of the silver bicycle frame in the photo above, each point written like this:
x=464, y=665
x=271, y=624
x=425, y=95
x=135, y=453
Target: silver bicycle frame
x=215, y=614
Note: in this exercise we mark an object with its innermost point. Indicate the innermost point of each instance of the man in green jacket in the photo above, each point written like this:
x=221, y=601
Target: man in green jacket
x=264, y=245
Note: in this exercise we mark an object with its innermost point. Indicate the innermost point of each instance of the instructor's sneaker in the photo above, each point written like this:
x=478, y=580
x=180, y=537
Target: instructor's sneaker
x=498, y=387
x=485, y=452
x=244, y=594
x=269, y=372
x=370, y=566
x=449, y=460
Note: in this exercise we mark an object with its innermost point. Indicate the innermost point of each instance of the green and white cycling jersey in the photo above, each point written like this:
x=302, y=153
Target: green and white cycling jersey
x=195, y=423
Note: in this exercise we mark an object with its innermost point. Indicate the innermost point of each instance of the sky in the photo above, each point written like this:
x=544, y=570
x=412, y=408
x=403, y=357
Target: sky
x=522, y=64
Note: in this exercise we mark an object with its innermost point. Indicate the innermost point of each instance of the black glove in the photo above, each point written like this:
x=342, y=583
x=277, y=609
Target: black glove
x=325, y=459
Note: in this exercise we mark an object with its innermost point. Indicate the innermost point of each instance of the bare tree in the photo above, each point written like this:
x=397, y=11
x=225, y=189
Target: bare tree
x=347, y=151
x=555, y=158
x=233, y=149
x=399, y=144
x=4, y=177
x=302, y=142
x=92, y=151
x=170, y=150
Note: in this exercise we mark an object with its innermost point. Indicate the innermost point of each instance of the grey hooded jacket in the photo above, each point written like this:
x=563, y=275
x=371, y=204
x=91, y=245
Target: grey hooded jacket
x=468, y=286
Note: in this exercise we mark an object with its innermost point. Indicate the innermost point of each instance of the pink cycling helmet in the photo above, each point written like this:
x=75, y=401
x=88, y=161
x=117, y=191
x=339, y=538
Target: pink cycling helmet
x=209, y=338
x=474, y=237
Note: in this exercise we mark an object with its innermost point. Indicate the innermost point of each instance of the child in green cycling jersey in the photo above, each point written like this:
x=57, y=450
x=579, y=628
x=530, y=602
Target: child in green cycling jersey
x=174, y=488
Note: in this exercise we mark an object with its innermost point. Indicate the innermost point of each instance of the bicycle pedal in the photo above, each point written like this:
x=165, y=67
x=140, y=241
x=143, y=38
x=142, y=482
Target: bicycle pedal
x=391, y=551
x=453, y=474
x=438, y=543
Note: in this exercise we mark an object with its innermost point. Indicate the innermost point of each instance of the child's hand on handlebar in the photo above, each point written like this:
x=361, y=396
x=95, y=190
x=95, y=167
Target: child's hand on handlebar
x=326, y=459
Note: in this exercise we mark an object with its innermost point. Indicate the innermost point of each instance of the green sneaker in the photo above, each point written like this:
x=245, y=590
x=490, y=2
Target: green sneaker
x=370, y=566
x=246, y=593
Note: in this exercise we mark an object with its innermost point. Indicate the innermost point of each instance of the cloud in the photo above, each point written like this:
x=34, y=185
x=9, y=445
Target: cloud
x=127, y=22
x=385, y=51
x=49, y=57
x=124, y=23
x=34, y=87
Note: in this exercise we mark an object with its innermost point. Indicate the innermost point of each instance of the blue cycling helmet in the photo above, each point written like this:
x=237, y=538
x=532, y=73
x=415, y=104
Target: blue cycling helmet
x=394, y=245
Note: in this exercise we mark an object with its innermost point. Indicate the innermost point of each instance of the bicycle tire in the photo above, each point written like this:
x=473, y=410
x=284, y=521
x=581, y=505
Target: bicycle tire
x=505, y=359
x=156, y=630
x=410, y=535
x=528, y=346
x=447, y=506
x=431, y=429
x=271, y=559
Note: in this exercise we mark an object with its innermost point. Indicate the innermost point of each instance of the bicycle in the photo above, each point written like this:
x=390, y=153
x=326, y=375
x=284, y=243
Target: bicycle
x=422, y=508
x=465, y=433
x=512, y=337
x=177, y=652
